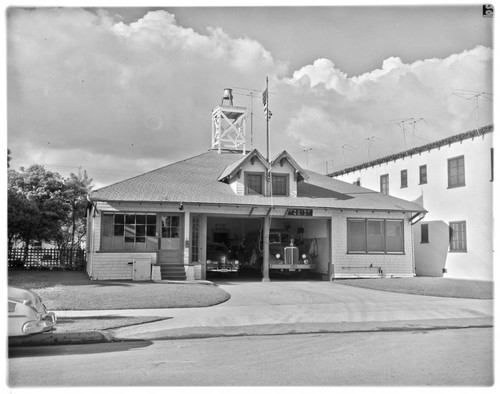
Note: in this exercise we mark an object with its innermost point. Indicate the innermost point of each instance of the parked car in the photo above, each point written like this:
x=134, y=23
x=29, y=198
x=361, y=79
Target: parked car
x=220, y=260
x=27, y=313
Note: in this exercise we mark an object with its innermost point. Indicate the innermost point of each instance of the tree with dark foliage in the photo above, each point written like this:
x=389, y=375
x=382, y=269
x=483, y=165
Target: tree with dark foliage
x=44, y=207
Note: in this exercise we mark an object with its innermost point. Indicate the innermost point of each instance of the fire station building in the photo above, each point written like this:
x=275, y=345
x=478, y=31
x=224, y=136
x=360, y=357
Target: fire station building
x=158, y=225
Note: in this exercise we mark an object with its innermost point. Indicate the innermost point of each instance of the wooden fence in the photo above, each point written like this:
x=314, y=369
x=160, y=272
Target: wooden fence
x=40, y=258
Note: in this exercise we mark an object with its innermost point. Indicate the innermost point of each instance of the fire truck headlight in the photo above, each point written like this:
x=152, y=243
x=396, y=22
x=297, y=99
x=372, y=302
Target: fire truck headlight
x=278, y=256
x=304, y=256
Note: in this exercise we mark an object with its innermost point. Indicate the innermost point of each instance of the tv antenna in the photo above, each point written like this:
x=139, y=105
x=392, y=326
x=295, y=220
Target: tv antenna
x=326, y=165
x=371, y=140
x=410, y=121
x=307, y=150
x=474, y=95
x=347, y=147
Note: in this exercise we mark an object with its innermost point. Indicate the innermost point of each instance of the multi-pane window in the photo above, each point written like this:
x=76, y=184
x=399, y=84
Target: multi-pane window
x=356, y=235
x=384, y=184
x=135, y=231
x=280, y=185
x=423, y=174
x=404, y=178
x=456, y=172
x=375, y=236
x=458, y=237
x=254, y=183
x=394, y=239
x=170, y=226
x=424, y=233
x=170, y=232
x=375, y=241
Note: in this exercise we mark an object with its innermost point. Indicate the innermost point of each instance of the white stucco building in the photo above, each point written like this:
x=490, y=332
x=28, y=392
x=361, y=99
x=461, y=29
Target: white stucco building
x=453, y=180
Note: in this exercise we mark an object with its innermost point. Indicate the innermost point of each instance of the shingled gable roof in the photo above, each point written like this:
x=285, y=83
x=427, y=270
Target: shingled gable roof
x=195, y=181
x=232, y=169
x=294, y=164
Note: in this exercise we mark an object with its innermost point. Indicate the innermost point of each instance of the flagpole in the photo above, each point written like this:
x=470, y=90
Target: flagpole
x=267, y=116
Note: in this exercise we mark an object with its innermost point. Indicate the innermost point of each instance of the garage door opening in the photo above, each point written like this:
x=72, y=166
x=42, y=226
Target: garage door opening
x=299, y=248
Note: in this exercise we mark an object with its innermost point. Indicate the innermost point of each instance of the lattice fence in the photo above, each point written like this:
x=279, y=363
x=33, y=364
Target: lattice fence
x=52, y=259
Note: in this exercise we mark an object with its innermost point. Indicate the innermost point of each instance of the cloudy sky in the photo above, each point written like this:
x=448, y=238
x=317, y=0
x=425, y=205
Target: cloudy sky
x=122, y=91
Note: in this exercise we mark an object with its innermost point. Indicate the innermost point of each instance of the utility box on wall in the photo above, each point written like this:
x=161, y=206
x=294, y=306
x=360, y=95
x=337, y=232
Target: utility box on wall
x=142, y=269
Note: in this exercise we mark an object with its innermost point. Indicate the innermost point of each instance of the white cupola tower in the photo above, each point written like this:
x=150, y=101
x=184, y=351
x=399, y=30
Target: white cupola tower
x=229, y=124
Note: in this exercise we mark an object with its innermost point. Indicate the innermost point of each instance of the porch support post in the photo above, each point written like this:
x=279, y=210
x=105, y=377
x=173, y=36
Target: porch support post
x=187, y=235
x=331, y=232
x=202, y=251
x=265, y=262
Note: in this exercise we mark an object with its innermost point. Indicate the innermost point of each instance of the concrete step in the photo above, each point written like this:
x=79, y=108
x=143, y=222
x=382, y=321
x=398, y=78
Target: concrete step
x=173, y=272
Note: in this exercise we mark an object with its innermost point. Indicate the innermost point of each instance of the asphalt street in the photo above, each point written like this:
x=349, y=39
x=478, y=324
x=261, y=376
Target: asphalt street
x=453, y=357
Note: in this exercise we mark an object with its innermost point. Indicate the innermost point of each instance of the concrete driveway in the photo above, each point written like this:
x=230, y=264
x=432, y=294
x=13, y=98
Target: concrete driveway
x=307, y=306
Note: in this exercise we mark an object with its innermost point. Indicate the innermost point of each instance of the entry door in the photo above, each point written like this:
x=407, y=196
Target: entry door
x=171, y=231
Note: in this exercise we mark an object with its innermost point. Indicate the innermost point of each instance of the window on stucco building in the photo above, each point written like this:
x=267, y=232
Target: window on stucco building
x=423, y=174
x=424, y=233
x=404, y=178
x=458, y=237
x=456, y=172
x=384, y=184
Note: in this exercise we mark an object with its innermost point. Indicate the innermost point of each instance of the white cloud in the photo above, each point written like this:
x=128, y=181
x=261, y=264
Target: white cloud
x=139, y=95
x=78, y=78
x=350, y=110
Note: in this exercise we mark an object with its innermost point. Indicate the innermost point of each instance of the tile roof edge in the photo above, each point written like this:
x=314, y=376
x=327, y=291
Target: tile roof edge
x=433, y=145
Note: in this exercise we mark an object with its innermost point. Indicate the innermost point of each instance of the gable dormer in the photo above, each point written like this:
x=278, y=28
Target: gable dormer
x=247, y=176
x=285, y=174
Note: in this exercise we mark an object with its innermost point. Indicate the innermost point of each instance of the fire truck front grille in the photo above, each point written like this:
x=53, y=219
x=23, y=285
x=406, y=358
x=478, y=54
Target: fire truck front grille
x=291, y=255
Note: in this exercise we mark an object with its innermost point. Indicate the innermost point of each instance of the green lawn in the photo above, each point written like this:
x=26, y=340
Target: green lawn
x=73, y=290
x=437, y=287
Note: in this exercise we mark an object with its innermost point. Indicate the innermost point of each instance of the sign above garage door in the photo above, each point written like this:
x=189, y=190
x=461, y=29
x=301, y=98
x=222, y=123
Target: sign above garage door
x=299, y=212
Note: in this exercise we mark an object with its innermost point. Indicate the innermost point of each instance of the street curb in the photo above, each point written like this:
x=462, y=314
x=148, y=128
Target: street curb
x=89, y=337
x=309, y=328
x=61, y=339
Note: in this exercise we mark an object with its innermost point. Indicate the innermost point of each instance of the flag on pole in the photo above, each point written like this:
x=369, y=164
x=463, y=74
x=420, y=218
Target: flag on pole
x=265, y=102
